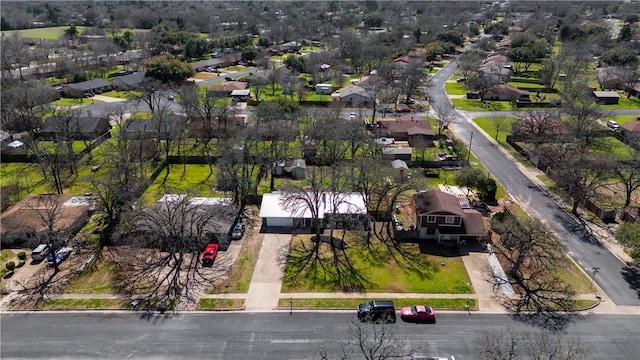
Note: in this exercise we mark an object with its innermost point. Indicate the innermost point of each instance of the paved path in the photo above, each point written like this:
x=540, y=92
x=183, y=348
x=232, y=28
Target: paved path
x=264, y=291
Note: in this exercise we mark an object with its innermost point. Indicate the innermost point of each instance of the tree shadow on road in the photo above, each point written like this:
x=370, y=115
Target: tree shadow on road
x=631, y=274
x=551, y=321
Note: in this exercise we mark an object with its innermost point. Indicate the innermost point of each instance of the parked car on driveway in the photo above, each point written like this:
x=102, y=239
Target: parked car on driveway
x=40, y=252
x=61, y=255
x=407, y=101
x=404, y=110
x=209, y=255
x=237, y=232
x=418, y=313
x=613, y=125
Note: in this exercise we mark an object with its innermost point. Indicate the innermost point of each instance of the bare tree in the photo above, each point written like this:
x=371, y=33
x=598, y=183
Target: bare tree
x=446, y=115
x=413, y=76
x=539, y=125
x=162, y=260
x=470, y=61
x=511, y=344
x=372, y=342
x=500, y=124
x=583, y=113
x=628, y=172
x=530, y=256
x=581, y=173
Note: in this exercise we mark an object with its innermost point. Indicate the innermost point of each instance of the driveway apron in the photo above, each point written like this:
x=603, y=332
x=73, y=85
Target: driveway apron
x=266, y=282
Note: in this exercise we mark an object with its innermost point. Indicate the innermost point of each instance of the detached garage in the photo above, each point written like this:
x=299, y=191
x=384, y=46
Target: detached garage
x=342, y=208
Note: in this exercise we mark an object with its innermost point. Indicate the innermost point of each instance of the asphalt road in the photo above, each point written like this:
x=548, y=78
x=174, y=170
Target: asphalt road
x=586, y=251
x=272, y=335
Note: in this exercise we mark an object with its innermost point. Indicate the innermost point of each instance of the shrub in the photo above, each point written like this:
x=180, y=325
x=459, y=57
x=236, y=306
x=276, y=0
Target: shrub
x=11, y=266
x=22, y=256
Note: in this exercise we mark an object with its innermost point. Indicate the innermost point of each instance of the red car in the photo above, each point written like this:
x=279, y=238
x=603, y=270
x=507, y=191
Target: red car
x=209, y=255
x=418, y=313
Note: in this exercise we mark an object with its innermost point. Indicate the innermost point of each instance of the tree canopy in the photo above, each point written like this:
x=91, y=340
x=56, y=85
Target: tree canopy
x=168, y=68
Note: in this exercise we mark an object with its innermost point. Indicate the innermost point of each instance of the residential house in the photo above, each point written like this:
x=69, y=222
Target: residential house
x=201, y=128
x=298, y=168
x=506, y=92
x=354, y=95
x=631, y=130
x=225, y=88
x=496, y=72
x=216, y=228
x=170, y=127
x=606, y=97
x=344, y=210
x=81, y=89
x=440, y=217
x=76, y=128
x=414, y=129
x=128, y=82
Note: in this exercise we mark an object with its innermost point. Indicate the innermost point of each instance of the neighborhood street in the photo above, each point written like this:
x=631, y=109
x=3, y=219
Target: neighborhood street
x=586, y=251
x=300, y=335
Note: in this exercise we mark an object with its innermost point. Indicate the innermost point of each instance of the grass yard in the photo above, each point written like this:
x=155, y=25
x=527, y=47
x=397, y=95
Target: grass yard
x=526, y=85
x=79, y=304
x=488, y=125
x=191, y=179
x=75, y=102
x=98, y=280
x=43, y=33
x=472, y=105
x=27, y=177
x=122, y=94
x=611, y=145
x=219, y=304
x=455, y=88
x=352, y=303
x=621, y=119
x=378, y=270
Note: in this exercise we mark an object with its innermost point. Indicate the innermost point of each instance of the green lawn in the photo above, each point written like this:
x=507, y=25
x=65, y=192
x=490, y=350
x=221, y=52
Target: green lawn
x=75, y=102
x=98, y=281
x=472, y=105
x=379, y=271
x=526, y=85
x=121, y=94
x=455, y=88
x=27, y=176
x=43, y=33
x=488, y=125
x=352, y=303
x=621, y=119
x=192, y=181
x=213, y=304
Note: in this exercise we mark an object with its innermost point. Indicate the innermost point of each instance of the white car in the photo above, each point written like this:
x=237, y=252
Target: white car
x=613, y=124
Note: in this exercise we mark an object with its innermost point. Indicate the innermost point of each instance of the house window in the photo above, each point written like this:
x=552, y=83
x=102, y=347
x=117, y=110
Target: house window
x=449, y=219
x=431, y=218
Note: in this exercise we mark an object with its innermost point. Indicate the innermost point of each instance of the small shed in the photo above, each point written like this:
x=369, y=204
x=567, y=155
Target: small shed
x=400, y=168
x=298, y=168
x=240, y=95
x=607, y=97
x=324, y=89
x=278, y=168
x=403, y=153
